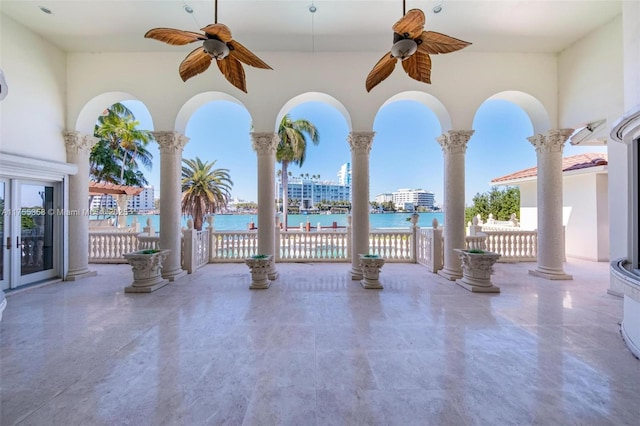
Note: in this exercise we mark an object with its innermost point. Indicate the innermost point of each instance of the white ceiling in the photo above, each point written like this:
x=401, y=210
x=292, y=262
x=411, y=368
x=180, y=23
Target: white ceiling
x=338, y=25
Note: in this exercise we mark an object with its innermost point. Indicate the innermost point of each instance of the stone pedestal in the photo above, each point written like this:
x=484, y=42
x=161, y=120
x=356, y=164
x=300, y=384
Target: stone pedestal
x=147, y=270
x=78, y=150
x=360, y=143
x=371, y=266
x=264, y=144
x=476, y=271
x=550, y=229
x=454, y=146
x=171, y=145
x=259, y=268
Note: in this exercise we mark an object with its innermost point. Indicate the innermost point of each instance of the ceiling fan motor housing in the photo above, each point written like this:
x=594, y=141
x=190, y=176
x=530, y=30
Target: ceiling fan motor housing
x=404, y=48
x=216, y=48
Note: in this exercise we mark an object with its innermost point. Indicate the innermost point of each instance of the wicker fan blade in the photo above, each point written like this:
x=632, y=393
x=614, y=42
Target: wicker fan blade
x=220, y=31
x=195, y=63
x=173, y=36
x=233, y=72
x=418, y=66
x=381, y=70
x=243, y=54
x=434, y=43
x=410, y=24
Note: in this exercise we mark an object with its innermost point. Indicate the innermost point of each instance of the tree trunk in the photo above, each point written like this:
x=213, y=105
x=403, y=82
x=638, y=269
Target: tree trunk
x=285, y=194
x=124, y=160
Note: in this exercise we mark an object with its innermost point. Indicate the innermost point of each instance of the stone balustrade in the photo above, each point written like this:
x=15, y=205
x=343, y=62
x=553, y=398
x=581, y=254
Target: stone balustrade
x=412, y=245
x=313, y=246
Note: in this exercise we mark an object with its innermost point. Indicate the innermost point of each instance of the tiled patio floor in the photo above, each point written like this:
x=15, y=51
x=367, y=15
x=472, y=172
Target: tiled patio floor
x=317, y=349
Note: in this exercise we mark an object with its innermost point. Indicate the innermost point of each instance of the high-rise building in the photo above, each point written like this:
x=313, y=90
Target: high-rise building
x=416, y=197
x=344, y=174
x=384, y=197
x=311, y=191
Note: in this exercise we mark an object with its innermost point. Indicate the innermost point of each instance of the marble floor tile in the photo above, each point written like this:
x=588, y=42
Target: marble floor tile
x=318, y=349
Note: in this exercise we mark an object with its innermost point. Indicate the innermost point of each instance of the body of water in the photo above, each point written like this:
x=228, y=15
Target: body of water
x=240, y=222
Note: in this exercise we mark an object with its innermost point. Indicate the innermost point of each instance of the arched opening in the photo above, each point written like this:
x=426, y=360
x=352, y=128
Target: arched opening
x=318, y=191
x=123, y=155
x=406, y=167
x=498, y=147
x=219, y=133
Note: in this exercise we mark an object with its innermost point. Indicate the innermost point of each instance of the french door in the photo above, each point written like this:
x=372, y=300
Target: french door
x=31, y=232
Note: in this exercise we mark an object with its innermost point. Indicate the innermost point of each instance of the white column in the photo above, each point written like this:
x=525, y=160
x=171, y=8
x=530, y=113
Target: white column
x=550, y=232
x=360, y=143
x=264, y=144
x=78, y=150
x=171, y=145
x=454, y=146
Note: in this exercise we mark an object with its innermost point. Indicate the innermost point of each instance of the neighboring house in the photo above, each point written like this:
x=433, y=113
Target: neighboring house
x=585, y=203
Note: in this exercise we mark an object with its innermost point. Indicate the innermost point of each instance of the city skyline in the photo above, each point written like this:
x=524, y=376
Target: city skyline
x=404, y=152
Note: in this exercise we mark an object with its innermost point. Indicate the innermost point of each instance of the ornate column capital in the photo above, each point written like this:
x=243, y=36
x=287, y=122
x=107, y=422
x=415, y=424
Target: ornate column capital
x=553, y=141
x=455, y=141
x=360, y=142
x=265, y=143
x=78, y=143
x=170, y=142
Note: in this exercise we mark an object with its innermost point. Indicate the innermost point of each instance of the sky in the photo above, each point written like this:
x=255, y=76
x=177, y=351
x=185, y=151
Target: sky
x=402, y=156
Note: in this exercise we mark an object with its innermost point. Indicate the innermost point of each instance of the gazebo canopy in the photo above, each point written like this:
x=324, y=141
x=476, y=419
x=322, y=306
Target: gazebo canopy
x=100, y=188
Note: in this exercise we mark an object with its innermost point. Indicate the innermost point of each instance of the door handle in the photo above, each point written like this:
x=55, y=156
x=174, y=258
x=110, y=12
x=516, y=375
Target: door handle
x=8, y=243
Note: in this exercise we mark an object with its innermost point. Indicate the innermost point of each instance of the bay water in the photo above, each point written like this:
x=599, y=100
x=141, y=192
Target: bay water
x=240, y=222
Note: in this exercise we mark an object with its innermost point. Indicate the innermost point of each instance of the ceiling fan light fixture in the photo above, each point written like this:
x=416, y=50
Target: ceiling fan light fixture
x=217, y=49
x=437, y=8
x=187, y=8
x=404, y=48
x=313, y=8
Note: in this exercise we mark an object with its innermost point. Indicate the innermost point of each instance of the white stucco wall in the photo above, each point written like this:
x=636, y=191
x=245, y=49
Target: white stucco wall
x=590, y=85
x=33, y=114
x=585, y=213
x=528, y=204
x=462, y=82
x=602, y=206
x=631, y=42
x=583, y=197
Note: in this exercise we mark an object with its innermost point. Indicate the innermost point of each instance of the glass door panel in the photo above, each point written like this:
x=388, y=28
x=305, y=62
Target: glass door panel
x=5, y=236
x=37, y=223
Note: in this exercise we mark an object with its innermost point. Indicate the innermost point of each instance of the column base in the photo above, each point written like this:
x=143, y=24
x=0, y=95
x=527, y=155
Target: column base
x=356, y=274
x=146, y=289
x=474, y=288
x=550, y=275
x=174, y=275
x=256, y=285
x=450, y=274
x=78, y=275
x=273, y=273
x=370, y=284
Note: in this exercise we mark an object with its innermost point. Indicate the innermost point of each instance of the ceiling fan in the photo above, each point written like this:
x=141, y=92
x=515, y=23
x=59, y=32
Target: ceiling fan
x=218, y=44
x=412, y=45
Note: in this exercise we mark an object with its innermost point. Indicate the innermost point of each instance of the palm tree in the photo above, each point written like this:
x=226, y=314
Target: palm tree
x=120, y=148
x=292, y=148
x=205, y=189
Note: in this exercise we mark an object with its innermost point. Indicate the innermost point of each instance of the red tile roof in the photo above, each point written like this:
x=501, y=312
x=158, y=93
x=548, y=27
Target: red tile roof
x=575, y=162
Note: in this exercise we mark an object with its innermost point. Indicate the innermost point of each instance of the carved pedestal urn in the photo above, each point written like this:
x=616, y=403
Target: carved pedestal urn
x=259, y=266
x=147, y=270
x=477, y=267
x=371, y=265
